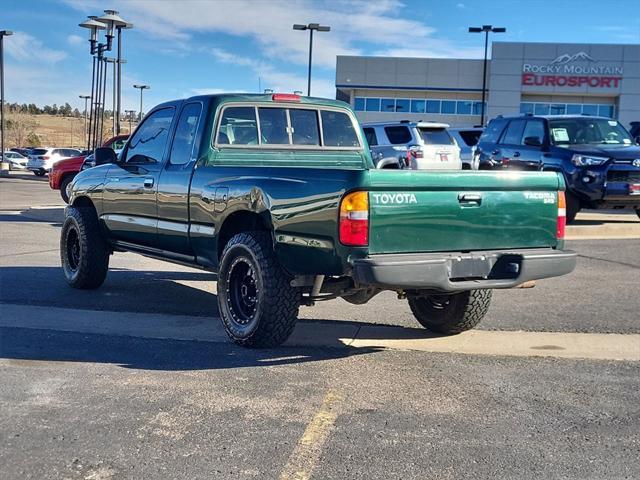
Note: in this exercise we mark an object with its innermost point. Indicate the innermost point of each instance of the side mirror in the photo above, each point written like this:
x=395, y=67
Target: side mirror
x=533, y=141
x=104, y=155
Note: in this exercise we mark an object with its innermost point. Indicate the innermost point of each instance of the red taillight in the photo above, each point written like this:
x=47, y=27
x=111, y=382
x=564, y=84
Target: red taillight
x=354, y=219
x=412, y=154
x=285, y=97
x=562, y=216
x=45, y=157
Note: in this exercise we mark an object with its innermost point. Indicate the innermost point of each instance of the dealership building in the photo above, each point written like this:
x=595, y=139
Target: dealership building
x=539, y=78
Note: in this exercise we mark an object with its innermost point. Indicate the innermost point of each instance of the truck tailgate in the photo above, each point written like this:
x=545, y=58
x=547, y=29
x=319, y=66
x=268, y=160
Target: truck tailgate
x=421, y=211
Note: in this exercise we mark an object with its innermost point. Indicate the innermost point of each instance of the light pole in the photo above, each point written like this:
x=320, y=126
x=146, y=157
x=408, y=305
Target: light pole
x=93, y=26
x=486, y=29
x=311, y=27
x=112, y=20
x=130, y=115
x=85, y=97
x=141, y=87
x=4, y=166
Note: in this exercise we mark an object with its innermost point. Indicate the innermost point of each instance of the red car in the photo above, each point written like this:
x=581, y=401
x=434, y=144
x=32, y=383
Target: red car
x=63, y=172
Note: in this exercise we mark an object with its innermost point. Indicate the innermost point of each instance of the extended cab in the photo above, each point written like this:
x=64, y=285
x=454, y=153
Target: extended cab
x=278, y=194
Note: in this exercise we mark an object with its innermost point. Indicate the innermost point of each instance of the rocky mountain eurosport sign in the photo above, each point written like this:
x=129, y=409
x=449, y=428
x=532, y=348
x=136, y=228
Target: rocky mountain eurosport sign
x=576, y=70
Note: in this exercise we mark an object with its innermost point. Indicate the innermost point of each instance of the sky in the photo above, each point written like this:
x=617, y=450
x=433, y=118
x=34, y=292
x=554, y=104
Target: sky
x=188, y=47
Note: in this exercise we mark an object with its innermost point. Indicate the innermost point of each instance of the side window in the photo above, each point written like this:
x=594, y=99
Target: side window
x=304, y=126
x=493, y=131
x=273, y=126
x=534, y=128
x=337, y=130
x=150, y=140
x=398, y=135
x=119, y=144
x=513, y=134
x=185, y=134
x=370, y=135
x=238, y=127
x=57, y=151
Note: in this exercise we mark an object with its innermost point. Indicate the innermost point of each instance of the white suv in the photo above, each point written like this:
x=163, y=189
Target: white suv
x=41, y=160
x=414, y=145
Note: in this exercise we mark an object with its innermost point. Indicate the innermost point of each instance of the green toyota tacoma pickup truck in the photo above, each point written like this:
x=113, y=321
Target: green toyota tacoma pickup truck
x=278, y=194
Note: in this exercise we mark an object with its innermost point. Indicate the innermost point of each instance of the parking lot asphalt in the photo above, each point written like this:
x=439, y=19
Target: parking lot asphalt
x=118, y=397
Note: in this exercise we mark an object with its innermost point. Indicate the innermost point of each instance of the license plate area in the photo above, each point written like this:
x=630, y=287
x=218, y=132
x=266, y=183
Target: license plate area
x=484, y=267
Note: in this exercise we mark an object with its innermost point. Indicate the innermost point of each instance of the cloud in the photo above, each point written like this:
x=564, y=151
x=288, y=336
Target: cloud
x=269, y=23
x=461, y=5
x=75, y=40
x=212, y=91
x=26, y=48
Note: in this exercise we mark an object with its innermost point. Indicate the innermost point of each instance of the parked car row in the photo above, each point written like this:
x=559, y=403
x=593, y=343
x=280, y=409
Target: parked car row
x=64, y=171
x=16, y=160
x=598, y=158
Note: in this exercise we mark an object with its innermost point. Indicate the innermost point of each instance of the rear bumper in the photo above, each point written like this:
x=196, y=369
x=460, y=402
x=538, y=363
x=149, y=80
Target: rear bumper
x=454, y=272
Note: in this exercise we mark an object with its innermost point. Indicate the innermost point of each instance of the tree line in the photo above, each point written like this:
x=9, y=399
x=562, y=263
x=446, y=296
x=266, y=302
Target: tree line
x=63, y=110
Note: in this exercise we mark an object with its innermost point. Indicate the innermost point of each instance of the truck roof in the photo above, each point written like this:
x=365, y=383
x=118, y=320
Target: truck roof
x=287, y=98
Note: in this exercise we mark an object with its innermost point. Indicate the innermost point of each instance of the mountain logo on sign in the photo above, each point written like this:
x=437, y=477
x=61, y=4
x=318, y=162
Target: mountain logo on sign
x=566, y=58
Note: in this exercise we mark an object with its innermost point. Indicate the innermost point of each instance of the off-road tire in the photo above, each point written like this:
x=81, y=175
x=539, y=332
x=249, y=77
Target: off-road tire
x=84, y=253
x=63, y=187
x=573, y=206
x=274, y=306
x=638, y=212
x=456, y=312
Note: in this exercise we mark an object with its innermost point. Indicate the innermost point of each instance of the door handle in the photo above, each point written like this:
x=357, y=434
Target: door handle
x=148, y=182
x=466, y=198
x=516, y=154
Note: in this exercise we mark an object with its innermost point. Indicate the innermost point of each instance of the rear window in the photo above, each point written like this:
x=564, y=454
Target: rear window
x=436, y=136
x=39, y=151
x=493, y=130
x=398, y=135
x=470, y=137
x=283, y=126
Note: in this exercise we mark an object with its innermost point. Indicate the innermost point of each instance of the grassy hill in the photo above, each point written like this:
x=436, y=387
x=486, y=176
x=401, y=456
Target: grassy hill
x=51, y=130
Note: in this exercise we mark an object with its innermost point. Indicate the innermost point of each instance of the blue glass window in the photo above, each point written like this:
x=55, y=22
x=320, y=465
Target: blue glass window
x=402, y=105
x=590, y=109
x=448, y=107
x=388, y=104
x=372, y=105
x=477, y=108
x=464, y=107
x=526, y=107
x=557, y=109
x=541, y=109
x=605, y=111
x=358, y=105
x=433, y=106
x=417, y=106
x=574, y=109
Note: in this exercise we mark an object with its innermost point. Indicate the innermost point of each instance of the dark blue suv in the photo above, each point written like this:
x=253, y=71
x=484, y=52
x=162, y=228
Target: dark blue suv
x=597, y=156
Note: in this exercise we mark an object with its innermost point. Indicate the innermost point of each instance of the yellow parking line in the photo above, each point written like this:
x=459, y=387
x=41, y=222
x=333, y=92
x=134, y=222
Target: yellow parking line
x=304, y=457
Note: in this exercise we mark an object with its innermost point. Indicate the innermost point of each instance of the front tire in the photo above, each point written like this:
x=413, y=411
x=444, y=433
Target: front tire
x=64, y=186
x=257, y=304
x=451, y=313
x=84, y=253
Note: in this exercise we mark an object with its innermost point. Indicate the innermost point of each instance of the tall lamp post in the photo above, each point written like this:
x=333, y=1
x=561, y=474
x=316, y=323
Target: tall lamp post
x=311, y=27
x=112, y=20
x=85, y=98
x=486, y=29
x=141, y=87
x=4, y=166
